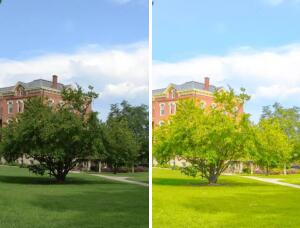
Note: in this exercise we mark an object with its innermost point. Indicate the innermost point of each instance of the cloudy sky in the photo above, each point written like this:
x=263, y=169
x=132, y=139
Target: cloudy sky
x=99, y=43
x=251, y=43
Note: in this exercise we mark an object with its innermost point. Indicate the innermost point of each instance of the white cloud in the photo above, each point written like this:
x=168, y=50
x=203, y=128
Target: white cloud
x=280, y=92
x=117, y=73
x=250, y=68
x=130, y=89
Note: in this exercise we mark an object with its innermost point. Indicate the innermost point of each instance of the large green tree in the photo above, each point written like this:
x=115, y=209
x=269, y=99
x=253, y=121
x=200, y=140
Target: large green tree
x=57, y=137
x=208, y=139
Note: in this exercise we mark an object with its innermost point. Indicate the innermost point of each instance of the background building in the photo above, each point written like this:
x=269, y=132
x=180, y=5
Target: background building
x=164, y=100
x=12, y=98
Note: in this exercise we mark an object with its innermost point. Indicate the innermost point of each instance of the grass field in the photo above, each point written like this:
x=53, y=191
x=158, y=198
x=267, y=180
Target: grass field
x=181, y=201
x=138, y=176
x=31, y=201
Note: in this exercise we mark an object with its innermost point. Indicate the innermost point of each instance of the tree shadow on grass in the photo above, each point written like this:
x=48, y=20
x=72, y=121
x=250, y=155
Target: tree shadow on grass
x=238, y=182
x=102, y=207
x=36, y=180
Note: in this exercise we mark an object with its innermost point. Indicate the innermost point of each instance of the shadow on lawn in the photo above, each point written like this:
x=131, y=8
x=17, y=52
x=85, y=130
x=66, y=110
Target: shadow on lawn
x=238, y=182
x=31, y=180
x=99, y=207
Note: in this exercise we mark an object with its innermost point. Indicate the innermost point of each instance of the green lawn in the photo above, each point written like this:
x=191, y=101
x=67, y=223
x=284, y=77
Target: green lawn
x=138, y=176
x=181, y=201
x=31, y=201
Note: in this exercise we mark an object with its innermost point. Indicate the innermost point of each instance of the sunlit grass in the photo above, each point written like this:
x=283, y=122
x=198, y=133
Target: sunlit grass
x=181, y=201
x=31, y=201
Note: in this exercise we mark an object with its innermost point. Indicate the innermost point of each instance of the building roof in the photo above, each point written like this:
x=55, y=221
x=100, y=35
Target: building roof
x=192, y=85
x=36, y=84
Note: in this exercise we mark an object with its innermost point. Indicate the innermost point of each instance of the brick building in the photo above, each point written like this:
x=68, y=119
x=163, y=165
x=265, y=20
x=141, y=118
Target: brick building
x=164, y=104
x=12, y=102
x=164, y=100
x=12, y=98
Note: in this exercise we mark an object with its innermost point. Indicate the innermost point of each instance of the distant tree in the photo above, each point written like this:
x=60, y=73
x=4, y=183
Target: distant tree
x=120, y=143
x=273, y=146
x=137, y=118
x=56, y=137
x=209, y=139
x=289, y=121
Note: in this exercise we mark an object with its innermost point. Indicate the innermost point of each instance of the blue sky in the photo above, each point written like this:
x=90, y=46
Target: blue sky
x=103, y=43
x=249, y=43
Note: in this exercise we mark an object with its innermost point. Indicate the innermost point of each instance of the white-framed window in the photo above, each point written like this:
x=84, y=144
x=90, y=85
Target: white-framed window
x=61, y=103
x=172, y=108
x=50, y=102
x=9, y=120
x=202, y=104
x=213, y=105
x=162, y=109
x=20, y=106
x=10, y=107
x=161, y=123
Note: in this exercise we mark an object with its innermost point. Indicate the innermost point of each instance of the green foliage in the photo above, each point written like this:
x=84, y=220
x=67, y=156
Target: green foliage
x=273, y=146
x=57, y=137
x=289, y=121
x=120, y=143
x=209, y=139
x=137, y=118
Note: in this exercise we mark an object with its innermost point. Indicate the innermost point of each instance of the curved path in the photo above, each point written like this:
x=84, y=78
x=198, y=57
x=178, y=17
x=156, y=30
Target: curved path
x=121, y=179
x=273, y=181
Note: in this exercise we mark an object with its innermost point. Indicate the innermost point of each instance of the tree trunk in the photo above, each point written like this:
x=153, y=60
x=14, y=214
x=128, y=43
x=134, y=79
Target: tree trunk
x=267, y=170
x=60, y=178
x=89, y=165
x=212, y=179
x=284, y=169
x=99, y=166
x=115, y=169
x=251, y=168
x=132, y=168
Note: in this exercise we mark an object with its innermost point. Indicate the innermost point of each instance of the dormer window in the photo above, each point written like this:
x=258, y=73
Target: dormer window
x=20, y=91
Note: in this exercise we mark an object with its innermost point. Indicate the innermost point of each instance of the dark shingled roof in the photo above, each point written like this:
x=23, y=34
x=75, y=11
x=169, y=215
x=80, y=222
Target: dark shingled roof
x=36, y=84
x=187, y=86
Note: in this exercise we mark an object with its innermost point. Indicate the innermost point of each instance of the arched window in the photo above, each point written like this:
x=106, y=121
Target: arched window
x=20, y=106
x=172, y=108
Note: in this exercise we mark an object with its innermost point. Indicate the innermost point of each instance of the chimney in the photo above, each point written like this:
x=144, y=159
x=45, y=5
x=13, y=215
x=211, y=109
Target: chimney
x=54, y=82
x=206, y=83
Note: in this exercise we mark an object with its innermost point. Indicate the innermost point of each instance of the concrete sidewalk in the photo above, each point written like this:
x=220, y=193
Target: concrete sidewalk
x=272, y=181
x=121, y=179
